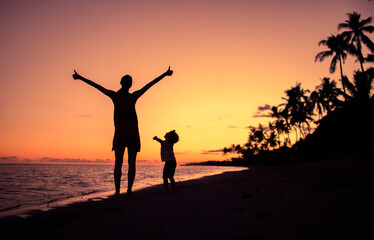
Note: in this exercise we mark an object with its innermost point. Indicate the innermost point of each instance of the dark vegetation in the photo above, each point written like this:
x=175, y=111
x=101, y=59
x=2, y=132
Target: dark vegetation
x=329, y=122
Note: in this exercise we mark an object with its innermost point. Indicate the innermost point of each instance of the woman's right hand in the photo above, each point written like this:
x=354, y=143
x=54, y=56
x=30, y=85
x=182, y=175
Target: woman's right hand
x=76, y=75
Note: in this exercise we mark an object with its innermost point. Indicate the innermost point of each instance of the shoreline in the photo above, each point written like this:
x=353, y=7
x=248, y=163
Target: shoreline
x=323, y=200
x=26, y=211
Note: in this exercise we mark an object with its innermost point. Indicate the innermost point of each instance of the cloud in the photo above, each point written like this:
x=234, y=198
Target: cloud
x=181, y=153
x=264, y=108
x=14, y=159
x=261, y=109
x=73, y=160
x=257, y=115
x=102, y=160
x=9, y=159
x=235, y=126
x=218, y=151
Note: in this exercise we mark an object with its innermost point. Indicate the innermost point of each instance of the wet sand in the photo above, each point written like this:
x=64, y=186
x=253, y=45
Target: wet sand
x=319, y=200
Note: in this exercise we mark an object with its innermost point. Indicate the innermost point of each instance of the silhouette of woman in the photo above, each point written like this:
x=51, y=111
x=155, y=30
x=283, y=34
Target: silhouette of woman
x=126, y=124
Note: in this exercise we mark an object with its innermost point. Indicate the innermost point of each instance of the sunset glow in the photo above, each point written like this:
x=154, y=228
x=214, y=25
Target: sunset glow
x=229, y=57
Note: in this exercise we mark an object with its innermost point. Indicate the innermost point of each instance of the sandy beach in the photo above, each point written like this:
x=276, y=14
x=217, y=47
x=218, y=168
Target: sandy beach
x=313, y=200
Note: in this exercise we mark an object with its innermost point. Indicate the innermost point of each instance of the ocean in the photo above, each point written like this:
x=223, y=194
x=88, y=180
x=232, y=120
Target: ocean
x=26, y=185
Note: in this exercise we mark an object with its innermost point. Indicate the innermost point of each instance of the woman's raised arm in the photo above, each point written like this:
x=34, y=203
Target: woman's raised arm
x=153, y=82
x=107, y=92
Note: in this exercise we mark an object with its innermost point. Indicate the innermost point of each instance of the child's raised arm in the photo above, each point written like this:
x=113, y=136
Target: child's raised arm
x=157, y=139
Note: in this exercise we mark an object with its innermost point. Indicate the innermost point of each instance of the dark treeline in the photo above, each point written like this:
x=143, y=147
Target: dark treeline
x=329, y=122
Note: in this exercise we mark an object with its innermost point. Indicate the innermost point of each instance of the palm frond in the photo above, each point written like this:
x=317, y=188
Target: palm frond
x=344, y=56
x=370, y=58
x=366, y=21
x=343, y=25
x=322, y=42
x=322, y=55
x=368, y=29
x=349, y=85
x=333, y=64
x=351, y=49
x=367, y=41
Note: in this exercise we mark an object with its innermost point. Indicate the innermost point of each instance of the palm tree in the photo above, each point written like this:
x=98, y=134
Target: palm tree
x=252, y=142
x=297, y=108
x=329, y=94
x=286, y=116
x=338, y=47
x=238, y=150
x=279, y=124
x=316, y=103
x=260, y=136
x=281, y=127
x=225, y=151
x=274, y=112
x=361, y=87
x=272, y=140
x=356, y=32
x=257, y=137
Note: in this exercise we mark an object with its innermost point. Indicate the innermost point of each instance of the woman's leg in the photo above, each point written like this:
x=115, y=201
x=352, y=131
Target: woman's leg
x=172, y=182
x=132, y=152
x=118, y=169
x=165, y=184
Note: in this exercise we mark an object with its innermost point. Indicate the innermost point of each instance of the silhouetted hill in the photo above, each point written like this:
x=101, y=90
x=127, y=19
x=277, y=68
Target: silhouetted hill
x=346, y=132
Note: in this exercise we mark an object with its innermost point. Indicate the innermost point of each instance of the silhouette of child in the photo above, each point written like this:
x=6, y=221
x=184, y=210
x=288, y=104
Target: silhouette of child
x=167, y=156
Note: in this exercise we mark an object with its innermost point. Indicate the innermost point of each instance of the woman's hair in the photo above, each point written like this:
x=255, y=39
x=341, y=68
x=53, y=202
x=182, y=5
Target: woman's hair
x=173, y=137
x=126, y=81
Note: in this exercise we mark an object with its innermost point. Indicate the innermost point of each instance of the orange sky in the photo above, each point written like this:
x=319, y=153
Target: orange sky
x=228, y=57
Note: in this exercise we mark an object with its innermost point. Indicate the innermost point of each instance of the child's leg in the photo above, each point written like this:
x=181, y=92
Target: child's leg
x=165, y=176
x=172, y=172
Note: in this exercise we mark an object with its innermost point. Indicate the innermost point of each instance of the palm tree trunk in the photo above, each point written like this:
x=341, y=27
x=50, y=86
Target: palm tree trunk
x=360, y=57
x=341, y=73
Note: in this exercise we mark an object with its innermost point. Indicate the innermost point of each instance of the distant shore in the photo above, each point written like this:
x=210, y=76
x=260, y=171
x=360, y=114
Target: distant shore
x=324, y=200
